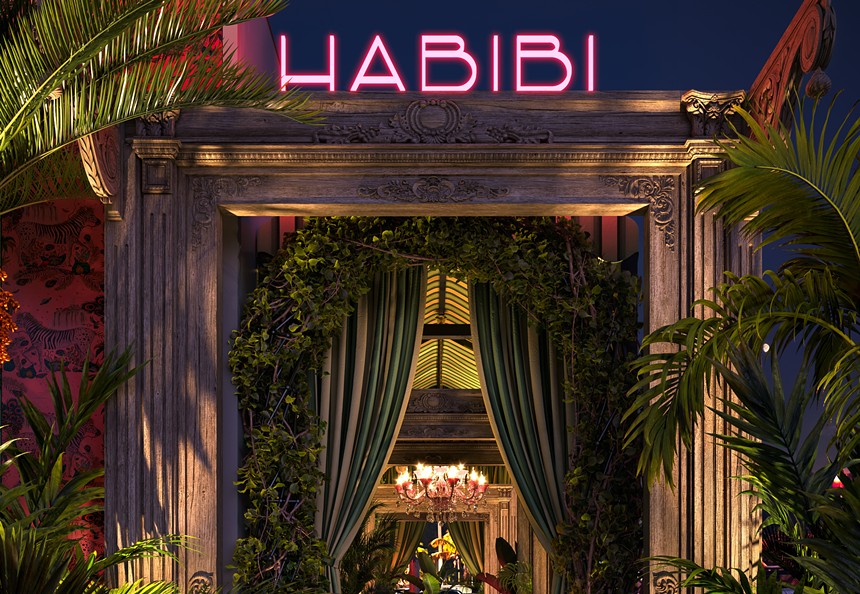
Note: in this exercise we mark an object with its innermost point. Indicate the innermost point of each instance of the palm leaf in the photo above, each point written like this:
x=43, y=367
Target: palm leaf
x=674, y=377
x=66, y=72
x=797, y=189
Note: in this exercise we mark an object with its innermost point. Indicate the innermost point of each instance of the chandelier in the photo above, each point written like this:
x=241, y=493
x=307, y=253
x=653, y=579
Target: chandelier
x=440, y=493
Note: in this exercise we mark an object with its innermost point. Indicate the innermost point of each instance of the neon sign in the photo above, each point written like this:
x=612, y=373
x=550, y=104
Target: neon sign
x=451, y=48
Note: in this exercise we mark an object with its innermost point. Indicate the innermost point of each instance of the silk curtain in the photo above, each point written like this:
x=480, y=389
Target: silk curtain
x=406, y=542
x=362, y=397
x=468, y=537
x=522, y=380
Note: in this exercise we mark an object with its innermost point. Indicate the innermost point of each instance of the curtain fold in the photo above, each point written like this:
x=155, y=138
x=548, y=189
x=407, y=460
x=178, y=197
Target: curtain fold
x=362, y=396
x=406, y=542
x=468, y=537
x=522, y=379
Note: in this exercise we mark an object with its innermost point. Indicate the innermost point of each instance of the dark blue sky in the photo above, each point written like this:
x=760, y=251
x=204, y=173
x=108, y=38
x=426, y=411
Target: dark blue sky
x=658, y=44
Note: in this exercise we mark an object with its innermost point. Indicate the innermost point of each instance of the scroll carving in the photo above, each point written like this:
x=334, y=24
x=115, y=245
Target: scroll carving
x=201, y=583
x=431, y=189
x=658, y=191
x=100, y=156
x=805, y=46
x=432, y=121
x=158, y=124
x=666, y=583
x=710, y=113
x=208, y=192
x=441, y=402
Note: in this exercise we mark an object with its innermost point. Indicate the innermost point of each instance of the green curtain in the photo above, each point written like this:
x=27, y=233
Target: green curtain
x=522, y=379
x=468, y=537
x=362, y=397
x=406, y=542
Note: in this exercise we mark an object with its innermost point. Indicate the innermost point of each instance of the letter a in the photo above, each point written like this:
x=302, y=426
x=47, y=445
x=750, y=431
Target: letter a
x=362, y=78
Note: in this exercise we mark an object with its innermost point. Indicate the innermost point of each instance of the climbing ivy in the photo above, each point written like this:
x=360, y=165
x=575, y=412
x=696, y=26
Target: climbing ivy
x=588, y=306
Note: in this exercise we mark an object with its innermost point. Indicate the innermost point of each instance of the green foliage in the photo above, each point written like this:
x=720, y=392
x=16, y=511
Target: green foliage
x=516, y=577
x=38, y=516
x=545, y=266
x=366, y=565
x=803, y=192
x=69, y=68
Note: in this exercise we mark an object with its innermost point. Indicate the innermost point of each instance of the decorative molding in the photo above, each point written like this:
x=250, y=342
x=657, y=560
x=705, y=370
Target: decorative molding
x=158, y=124
x=201, y=582
x=666, y=583
x=278, y=156
x=805, y=46
x=517, y=133
x=445, y=430
x=158, y=156
x=658, y=191
x=440, y=401
x=710, y=113
x=431, y=189
x=207, y=193
x=432, y=121
x=100, y=156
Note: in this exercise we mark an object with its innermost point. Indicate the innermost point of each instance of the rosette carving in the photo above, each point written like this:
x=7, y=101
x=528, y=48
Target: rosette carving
x=666, y=583
x=659, y=192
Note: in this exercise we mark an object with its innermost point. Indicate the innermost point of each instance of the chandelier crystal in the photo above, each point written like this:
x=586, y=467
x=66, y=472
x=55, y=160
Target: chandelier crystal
x=441, y=493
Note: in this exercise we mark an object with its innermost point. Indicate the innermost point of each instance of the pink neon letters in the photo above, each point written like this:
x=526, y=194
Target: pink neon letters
x=439, y=48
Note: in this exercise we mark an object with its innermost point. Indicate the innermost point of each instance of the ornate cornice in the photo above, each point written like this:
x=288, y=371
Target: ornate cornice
x=710, y=113
x=308, y=155
x=432, y=121
x=805, y=46
x=659, y=192
x=431, y=189
x=207, y=193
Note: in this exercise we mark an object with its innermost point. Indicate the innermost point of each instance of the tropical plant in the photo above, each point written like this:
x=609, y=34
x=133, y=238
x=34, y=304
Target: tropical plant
x=41, y=513
x=802, y=191
x=366, y=565
x=69, y=68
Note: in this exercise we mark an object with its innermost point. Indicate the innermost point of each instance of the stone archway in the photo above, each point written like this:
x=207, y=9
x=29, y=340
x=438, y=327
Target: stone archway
x=170, y=248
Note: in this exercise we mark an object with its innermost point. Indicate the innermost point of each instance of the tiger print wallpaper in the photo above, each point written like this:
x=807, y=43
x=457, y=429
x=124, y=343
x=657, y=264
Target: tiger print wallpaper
x=54, y=256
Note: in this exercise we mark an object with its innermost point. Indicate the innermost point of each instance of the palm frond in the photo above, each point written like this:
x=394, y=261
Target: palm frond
x=718, y=580
x=674, y=377
x=66, y=73
x=801, y=192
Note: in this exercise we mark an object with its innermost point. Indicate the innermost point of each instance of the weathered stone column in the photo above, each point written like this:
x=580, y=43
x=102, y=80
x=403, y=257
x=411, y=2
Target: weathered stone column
x=705, y=518
x=161, y=253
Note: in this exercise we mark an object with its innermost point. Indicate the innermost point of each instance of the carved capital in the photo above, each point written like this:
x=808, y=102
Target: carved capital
x=656, y=190
x=207, y=193
x=158, y=156
x=161, y=124
x=710, y=113
x=432, y=121
x=805, y=46
x=431, y=189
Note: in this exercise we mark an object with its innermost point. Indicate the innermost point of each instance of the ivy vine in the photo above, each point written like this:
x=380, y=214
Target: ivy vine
x=546, y=266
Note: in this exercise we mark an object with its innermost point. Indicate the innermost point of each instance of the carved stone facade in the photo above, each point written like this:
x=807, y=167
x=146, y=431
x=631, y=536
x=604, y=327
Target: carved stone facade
x=431, y=188
x=660, y=192
x=433, y=121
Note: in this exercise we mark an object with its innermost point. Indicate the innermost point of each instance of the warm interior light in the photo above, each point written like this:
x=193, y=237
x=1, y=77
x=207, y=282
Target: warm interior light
x=442, y=493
